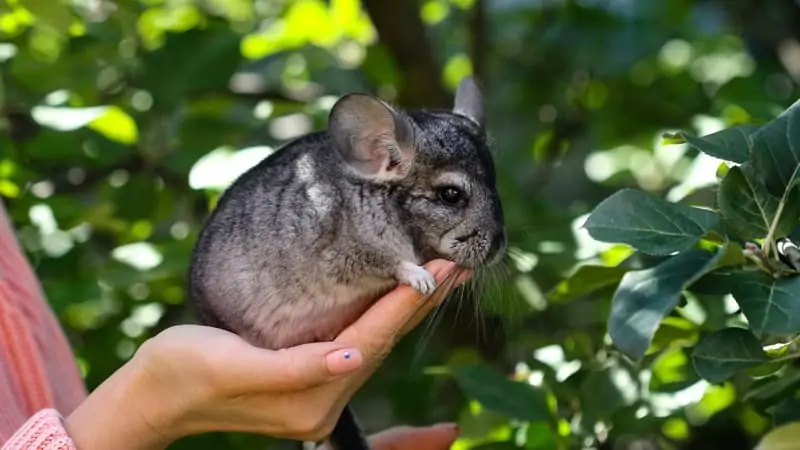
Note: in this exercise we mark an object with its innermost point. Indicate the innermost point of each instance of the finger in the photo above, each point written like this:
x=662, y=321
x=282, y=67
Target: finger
x=292, y=369
x=377, y=329
x=437, y=437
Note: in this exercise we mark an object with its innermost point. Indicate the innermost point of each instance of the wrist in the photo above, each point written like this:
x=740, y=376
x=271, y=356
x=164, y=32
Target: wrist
x=126, y=412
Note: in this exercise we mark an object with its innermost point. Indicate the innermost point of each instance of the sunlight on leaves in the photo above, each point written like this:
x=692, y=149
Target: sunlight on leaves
x=716, y=399
x=456, y=68
x=54, y=13
x=155, y=22
x=220, y=167
x=310, y=22
x=434, y=11
x=140, y=255
x=116, y=125
x=67, y=119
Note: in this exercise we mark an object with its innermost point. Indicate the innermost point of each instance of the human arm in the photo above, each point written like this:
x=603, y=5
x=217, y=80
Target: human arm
x=45, y=431
x=193, y=379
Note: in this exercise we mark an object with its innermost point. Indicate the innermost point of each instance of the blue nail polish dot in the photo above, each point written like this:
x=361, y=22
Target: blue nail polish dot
x=346, y=355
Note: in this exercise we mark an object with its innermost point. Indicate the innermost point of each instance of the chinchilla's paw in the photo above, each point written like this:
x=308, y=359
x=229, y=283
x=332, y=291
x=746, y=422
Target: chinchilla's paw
x=417, y=277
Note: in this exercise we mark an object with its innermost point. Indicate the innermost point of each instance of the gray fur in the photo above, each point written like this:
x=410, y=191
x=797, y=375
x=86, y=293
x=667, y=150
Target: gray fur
x=302, y=244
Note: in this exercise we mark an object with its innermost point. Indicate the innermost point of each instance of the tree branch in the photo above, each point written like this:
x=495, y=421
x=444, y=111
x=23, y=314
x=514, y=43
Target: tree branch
x=400, y=28
x=477, y=44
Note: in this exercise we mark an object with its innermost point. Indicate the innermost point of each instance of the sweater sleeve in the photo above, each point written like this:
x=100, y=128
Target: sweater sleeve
x=43, y=431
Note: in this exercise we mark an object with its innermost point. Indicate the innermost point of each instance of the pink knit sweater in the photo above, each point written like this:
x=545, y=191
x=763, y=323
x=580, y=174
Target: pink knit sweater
x=39, y=379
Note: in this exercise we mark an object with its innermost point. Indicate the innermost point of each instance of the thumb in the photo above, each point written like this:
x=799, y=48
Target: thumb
x=295, y=368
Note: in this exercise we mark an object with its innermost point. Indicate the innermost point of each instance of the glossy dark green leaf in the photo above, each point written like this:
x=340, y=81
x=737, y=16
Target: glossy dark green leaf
x=748, y=208
x=785, y=383
x=585, y=280
x=770, y=305
x=776, y=151
x=785, y=411
x=730, y=144
x=645, y=297
x=648, y=223
x=720, y=355
x=497, y=393
x=718, y=282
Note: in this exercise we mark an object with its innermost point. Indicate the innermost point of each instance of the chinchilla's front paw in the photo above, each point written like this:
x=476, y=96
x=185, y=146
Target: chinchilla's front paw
x=417, y=277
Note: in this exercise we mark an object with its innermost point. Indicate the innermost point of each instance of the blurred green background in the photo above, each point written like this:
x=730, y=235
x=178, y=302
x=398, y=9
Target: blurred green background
x=122, y=121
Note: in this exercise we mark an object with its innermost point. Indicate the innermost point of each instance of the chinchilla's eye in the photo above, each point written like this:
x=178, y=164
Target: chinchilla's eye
x=450, y=194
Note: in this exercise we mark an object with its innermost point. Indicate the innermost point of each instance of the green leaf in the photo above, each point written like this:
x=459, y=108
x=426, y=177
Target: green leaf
x=784, y=437
x=767, y=369
x=117, y=125
x=770, y=305
x=672, y=371
x=52, y=12
x=603, y=392
x=731, y=144
x=191, y=61
x=785, y=411
x=675, y=331
x=722, y=354
x=748, y=208
x=776, y=151
x=648, y=223
x=585, y=280
x=499, y=394
x=645, y=297
x=718, y=282
x=775, y=386
x=539, y=436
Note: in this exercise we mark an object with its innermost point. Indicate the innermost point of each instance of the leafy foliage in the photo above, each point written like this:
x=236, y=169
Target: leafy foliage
x=645, y=303
x=756, y=200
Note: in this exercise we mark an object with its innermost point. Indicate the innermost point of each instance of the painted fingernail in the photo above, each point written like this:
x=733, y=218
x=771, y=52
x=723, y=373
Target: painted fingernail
x=343, y=361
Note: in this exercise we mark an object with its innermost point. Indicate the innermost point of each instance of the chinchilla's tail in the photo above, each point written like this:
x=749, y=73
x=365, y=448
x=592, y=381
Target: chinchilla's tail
x=347, y=434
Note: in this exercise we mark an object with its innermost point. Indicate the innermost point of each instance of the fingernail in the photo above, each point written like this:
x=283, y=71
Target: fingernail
x=343, y=361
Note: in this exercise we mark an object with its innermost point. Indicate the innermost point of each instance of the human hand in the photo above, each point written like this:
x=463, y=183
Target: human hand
x=193, y=379
x=437, y=437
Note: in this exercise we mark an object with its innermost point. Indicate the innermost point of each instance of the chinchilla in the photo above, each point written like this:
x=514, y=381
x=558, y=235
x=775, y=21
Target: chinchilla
x=300, y=245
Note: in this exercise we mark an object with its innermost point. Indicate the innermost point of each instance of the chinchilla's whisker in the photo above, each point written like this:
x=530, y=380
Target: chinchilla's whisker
x=480, y=323
x=445, y=288
x=488, y=287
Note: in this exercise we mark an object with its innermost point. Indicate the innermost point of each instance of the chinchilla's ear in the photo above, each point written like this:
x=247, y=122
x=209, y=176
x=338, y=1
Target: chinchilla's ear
x=469, y=101
x=374, y=139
